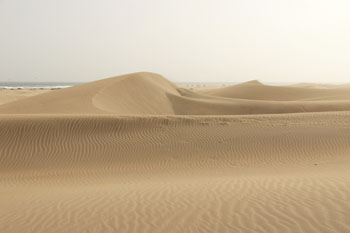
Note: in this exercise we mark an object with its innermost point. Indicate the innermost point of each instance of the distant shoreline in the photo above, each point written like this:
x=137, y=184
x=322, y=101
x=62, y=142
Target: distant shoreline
x=36, y=85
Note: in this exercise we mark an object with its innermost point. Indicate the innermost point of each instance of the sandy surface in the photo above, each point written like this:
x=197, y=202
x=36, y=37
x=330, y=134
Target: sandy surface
x=10, y=95
x=138, y=154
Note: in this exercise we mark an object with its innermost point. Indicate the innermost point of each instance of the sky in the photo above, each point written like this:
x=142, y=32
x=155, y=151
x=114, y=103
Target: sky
x=184, y=40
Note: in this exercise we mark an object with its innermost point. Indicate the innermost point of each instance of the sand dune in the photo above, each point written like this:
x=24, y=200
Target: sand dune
x=125, y=95
x=255, y=90
x=116, y=156
x=121, y=95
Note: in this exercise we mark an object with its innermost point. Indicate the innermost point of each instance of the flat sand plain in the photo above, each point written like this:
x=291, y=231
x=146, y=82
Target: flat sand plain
x=136, y=153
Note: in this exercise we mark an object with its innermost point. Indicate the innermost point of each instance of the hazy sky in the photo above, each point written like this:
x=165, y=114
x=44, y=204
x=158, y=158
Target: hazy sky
x=184, y=40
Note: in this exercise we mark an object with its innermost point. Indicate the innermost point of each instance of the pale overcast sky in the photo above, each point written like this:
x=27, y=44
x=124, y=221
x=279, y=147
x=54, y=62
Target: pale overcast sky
x=184, y=40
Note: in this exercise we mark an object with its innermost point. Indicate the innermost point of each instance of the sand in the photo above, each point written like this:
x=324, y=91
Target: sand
x=136, y=153
x=10, y=95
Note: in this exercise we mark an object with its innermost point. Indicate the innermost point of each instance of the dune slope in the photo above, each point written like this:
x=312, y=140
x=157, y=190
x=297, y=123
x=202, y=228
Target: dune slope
x=125, y=94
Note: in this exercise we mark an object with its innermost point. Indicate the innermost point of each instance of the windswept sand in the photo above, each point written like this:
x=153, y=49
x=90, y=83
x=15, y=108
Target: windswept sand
x=135, y=153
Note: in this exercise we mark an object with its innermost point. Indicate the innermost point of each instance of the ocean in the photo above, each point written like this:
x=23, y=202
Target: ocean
x=36, y=85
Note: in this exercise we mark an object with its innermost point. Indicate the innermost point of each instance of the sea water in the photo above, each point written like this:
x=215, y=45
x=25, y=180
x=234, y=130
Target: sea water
x=36, y=85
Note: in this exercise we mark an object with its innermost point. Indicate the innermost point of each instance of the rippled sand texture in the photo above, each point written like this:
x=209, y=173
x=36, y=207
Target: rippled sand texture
x=80, y=168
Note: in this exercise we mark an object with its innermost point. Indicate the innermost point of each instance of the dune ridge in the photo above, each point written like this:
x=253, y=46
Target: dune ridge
x=136, y=153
